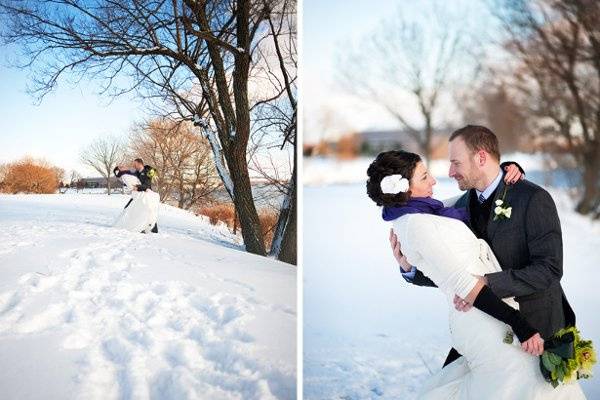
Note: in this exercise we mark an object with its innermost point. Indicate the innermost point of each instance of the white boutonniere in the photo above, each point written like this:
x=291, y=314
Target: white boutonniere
x=503, y=210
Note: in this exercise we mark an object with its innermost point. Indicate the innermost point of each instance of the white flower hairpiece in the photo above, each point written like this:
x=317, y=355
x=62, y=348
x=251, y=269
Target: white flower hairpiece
x=394, y=184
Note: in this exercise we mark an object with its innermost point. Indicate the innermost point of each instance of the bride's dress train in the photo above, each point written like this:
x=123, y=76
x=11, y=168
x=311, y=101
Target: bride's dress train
x=142, y=212
x=450, y=254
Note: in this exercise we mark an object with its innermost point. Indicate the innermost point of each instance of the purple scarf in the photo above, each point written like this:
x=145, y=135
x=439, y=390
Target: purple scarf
x=424, y=205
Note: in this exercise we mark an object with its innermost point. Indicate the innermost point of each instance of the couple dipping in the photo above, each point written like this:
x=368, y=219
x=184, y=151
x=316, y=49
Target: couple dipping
x=141, y=212
x=496, y=253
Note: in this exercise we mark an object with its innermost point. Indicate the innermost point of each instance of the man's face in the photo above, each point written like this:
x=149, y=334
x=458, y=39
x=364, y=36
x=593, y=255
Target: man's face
x=138, y=165
x=463, y=165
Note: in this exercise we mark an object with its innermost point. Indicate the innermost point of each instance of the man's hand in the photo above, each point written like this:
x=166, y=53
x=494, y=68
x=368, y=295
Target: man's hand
x=461, y=305
x=534, y=345
x=401, y=258
x=512, y=174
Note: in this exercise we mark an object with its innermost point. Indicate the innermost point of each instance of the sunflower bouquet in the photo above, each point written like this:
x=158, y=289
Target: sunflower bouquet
x=567, y=357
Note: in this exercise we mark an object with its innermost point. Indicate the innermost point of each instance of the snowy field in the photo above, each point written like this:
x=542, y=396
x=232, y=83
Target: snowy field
x=370, y=335
x=92, y=312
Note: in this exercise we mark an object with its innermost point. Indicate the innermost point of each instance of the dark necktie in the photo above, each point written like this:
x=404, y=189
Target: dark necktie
x=481, y=198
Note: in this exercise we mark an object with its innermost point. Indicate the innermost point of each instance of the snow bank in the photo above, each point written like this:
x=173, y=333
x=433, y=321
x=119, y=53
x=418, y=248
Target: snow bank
x=93, y=312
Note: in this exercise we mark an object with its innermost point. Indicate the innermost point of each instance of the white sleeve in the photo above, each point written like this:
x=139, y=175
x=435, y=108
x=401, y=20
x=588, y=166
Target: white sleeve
x=446, y=265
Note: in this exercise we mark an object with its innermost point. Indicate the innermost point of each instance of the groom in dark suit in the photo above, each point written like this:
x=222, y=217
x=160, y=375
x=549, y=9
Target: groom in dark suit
x=526, y=240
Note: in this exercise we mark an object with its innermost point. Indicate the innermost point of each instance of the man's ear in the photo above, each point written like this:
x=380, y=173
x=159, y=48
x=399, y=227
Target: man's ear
x=481, y=158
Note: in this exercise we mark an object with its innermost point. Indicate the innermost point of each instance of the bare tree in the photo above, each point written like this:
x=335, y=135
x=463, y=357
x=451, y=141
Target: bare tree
x=275, y=123
x=74, y=178
x=196, y=55
x=489, y=102
x=182, y=157
x=556, y=46
x=409, y=65
x=103, y=155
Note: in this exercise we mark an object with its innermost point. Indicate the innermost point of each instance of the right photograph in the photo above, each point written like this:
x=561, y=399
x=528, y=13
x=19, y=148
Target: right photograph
x=451, y=199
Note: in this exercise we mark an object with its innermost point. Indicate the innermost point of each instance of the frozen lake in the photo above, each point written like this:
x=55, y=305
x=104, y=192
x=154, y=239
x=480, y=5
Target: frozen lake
x=370, y=335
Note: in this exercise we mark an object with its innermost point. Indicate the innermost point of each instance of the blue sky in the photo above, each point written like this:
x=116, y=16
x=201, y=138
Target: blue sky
x=66, y=120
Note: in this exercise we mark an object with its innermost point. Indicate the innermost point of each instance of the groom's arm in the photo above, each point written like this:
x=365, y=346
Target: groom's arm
x=120, y=172
x=416, y=277
x=544, y=243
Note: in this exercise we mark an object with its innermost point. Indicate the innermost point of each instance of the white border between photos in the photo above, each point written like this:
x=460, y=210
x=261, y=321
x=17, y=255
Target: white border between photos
x=299, y=210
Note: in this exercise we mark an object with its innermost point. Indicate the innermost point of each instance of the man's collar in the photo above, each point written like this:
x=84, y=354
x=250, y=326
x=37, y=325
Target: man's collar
x=487, y=192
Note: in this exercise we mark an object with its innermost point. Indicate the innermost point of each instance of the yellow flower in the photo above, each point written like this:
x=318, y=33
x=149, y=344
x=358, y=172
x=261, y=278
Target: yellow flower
x=570, y=377
x=586, y=359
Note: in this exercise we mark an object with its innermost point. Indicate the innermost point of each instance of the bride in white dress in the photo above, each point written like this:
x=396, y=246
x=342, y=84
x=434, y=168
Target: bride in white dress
x=141, y=214
x=450, y=254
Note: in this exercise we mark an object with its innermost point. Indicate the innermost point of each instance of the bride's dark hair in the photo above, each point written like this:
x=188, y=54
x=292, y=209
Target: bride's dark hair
x=390, y=163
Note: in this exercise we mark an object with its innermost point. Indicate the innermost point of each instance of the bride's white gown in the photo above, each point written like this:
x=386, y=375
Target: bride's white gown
x=447, y=252
x=142, y=212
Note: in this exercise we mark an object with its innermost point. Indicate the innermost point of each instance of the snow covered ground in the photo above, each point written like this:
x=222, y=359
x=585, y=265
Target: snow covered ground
x=370, y=335
x=88, y=311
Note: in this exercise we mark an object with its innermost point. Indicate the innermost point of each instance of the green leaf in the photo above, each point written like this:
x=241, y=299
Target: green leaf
x=554, y=359
x=560, y=373
x=547, y=363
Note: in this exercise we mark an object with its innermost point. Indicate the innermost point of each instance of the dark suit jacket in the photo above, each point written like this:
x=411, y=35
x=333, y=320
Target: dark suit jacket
x=528, y=246
x=145, y=176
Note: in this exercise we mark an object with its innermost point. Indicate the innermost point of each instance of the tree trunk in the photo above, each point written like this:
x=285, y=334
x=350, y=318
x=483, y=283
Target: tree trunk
x=244, y=205
x=288, y=251
x=591, y=185
x=180, y=202
x=236, y=159
x=283, y=246
x=428, y=136
x=108, y=183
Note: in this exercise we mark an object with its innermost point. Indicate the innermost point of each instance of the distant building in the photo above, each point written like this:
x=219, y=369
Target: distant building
x=95, y=183
x=376, y=141
x=373, y=142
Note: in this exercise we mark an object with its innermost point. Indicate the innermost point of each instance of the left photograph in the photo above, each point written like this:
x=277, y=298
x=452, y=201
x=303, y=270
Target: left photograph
x=148, y=205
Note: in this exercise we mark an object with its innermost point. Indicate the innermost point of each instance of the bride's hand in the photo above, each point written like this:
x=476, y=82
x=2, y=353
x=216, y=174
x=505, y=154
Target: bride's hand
x=534, y=345
x=461, y=305
x=396, y=249
x=512, y=174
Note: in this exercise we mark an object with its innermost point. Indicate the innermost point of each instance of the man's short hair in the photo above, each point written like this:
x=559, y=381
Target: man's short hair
x=139, y=160
x=477, y=138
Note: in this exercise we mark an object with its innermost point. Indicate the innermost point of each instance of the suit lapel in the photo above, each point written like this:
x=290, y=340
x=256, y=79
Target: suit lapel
x=492, y=226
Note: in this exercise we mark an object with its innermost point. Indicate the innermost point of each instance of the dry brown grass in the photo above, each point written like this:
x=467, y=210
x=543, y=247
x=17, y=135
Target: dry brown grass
x=226, y=213
x=219, y=212
x=268, y=221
